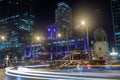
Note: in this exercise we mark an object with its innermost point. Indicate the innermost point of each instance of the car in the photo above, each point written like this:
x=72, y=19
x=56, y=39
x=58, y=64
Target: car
x=2, y=65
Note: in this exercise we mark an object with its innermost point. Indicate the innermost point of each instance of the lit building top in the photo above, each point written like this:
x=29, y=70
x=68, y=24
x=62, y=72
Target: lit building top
x=63, y=18
x=116, y=22
x=63, y=4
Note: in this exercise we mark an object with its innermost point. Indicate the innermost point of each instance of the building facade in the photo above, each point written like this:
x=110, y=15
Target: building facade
x=16, y=23
x=17, y=30
x=63, y=19
x=60, y=46
x=116, y=22
x=101, y=48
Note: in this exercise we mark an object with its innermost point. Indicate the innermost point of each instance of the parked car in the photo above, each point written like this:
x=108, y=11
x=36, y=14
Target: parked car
x=2, y=64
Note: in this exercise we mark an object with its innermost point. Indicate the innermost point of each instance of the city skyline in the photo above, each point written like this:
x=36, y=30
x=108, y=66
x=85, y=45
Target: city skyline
x=98, y=12
x=59, y=39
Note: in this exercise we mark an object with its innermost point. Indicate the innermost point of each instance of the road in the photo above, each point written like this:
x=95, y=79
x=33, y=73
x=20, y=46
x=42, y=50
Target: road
x=101, y=75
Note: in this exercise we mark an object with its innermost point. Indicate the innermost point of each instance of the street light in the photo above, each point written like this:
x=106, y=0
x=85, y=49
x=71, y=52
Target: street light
x=67, y=44
x=40, y=39
x=59, y=35
x=83, y=24
x=114, y=57
x=68, y=50
x=114, y=54
x=37, y=39
x=2, y=37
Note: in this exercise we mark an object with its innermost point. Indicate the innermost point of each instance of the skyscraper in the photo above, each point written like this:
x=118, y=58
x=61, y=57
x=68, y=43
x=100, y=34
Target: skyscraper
x=16, y=23
x=63, y=19
x=17, y=29
x=116, y=22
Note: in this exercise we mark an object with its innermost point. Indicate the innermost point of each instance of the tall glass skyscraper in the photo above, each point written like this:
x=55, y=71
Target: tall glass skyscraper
x=17, y=30
x=116, y=22
x=63, y=19
x=16, y=23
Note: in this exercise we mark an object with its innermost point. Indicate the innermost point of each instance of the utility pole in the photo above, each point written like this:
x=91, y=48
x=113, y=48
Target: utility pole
x=68, y=51
x=88, y=49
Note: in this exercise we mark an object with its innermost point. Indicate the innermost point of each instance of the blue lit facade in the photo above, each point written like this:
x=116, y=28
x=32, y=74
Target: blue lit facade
x=57, y=47
x=51, y=36
x=17, y=30
x=116, y=22
x=63, y=19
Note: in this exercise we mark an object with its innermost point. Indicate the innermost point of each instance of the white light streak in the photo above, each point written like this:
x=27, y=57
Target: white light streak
x=57, y=75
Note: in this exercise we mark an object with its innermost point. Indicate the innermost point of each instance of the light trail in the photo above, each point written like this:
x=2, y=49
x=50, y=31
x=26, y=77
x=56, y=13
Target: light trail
x=53, y=78
x=67, y=73
x=46, y=65
x=56, y=75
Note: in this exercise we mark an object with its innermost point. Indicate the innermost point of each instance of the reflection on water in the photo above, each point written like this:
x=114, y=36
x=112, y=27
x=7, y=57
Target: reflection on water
x=17, y=78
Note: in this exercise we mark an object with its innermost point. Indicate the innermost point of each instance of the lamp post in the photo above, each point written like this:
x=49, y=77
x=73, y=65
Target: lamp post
x=36, y=39
x=40, y=39
x=2, y=37
x=57, y=44
x=87, y=34
x=67, y=44
x=114, y=56
x=59, y=35
x=68, y=50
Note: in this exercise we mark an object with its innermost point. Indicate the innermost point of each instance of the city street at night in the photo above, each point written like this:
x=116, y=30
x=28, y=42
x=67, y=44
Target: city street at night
x=24, y=73
x=59, y=39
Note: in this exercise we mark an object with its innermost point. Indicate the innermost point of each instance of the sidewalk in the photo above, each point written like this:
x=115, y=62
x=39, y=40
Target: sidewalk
x=2, y=74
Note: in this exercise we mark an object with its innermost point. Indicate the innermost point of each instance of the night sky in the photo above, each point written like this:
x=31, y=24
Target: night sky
x=96, y=12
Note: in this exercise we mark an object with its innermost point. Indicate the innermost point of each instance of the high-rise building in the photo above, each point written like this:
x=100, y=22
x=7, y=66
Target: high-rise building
x=17, y=30
x=14, y=7
x=63, y=19
x=116, y=22
x=16, y=23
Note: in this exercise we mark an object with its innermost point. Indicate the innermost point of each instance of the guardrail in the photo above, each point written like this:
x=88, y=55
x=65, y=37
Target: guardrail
x=56, y=63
